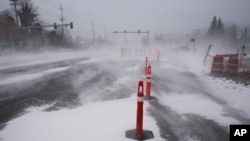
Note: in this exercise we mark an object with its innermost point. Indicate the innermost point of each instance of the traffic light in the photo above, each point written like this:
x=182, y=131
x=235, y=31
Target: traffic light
x=71, y=25
x=55, y=27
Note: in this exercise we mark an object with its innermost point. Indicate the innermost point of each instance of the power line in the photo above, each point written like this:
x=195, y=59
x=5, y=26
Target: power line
x=68, y=12
x=51, y=3
x=74, y=9
x=80, y=19
x=49, y=13
x=72, y=14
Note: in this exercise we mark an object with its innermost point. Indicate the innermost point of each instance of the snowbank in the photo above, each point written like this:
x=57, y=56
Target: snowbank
x=234, y=95
x=96, y=122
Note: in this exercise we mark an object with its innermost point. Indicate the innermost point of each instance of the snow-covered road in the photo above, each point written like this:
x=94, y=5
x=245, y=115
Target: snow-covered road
x=92, y=96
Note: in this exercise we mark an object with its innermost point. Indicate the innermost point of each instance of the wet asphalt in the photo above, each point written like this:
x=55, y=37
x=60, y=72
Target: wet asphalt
x=69, y=89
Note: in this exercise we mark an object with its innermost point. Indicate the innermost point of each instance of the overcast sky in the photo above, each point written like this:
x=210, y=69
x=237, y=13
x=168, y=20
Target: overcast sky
x=157, y=16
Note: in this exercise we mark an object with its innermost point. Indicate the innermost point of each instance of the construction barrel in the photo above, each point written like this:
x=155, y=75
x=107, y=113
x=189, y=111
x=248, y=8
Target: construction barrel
x=232, y=65
x=217, y=66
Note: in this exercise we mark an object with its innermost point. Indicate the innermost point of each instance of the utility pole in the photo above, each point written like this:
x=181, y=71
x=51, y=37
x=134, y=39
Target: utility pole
x=245, y=36
x=198, y=33
x=148, y=38
x=15, y=4
x=62, y=19
x=93, y=32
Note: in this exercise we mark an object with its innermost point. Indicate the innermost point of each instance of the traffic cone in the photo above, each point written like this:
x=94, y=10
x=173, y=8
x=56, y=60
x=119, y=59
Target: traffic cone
x=139, y=133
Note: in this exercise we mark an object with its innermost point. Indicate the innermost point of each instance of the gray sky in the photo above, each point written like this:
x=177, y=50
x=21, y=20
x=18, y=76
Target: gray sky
x=158, y=16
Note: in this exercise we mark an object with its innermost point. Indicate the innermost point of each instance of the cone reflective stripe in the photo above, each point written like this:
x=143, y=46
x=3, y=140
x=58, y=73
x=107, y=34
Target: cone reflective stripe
x=139, y=118
x=148, y=81
x=140, y=99
x=148, y=78
x=146, y=65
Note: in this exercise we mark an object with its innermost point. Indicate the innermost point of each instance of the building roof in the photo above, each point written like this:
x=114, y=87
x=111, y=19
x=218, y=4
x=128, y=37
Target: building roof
x=3, y=19
x=6, y=19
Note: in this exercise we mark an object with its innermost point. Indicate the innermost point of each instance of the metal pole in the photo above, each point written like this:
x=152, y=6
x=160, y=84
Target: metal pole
x=62, y=19
x=208, y=50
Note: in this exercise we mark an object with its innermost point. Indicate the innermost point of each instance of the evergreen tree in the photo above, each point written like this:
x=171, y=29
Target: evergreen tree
x=216, y=29
x=220, y=28
x=213, y=25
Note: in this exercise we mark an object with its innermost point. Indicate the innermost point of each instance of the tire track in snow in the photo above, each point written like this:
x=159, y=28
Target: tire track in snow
x=187, y=127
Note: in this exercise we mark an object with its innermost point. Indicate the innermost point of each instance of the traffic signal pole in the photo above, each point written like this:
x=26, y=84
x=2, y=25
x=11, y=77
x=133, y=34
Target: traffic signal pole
x=135, y=32
x=42, y=26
